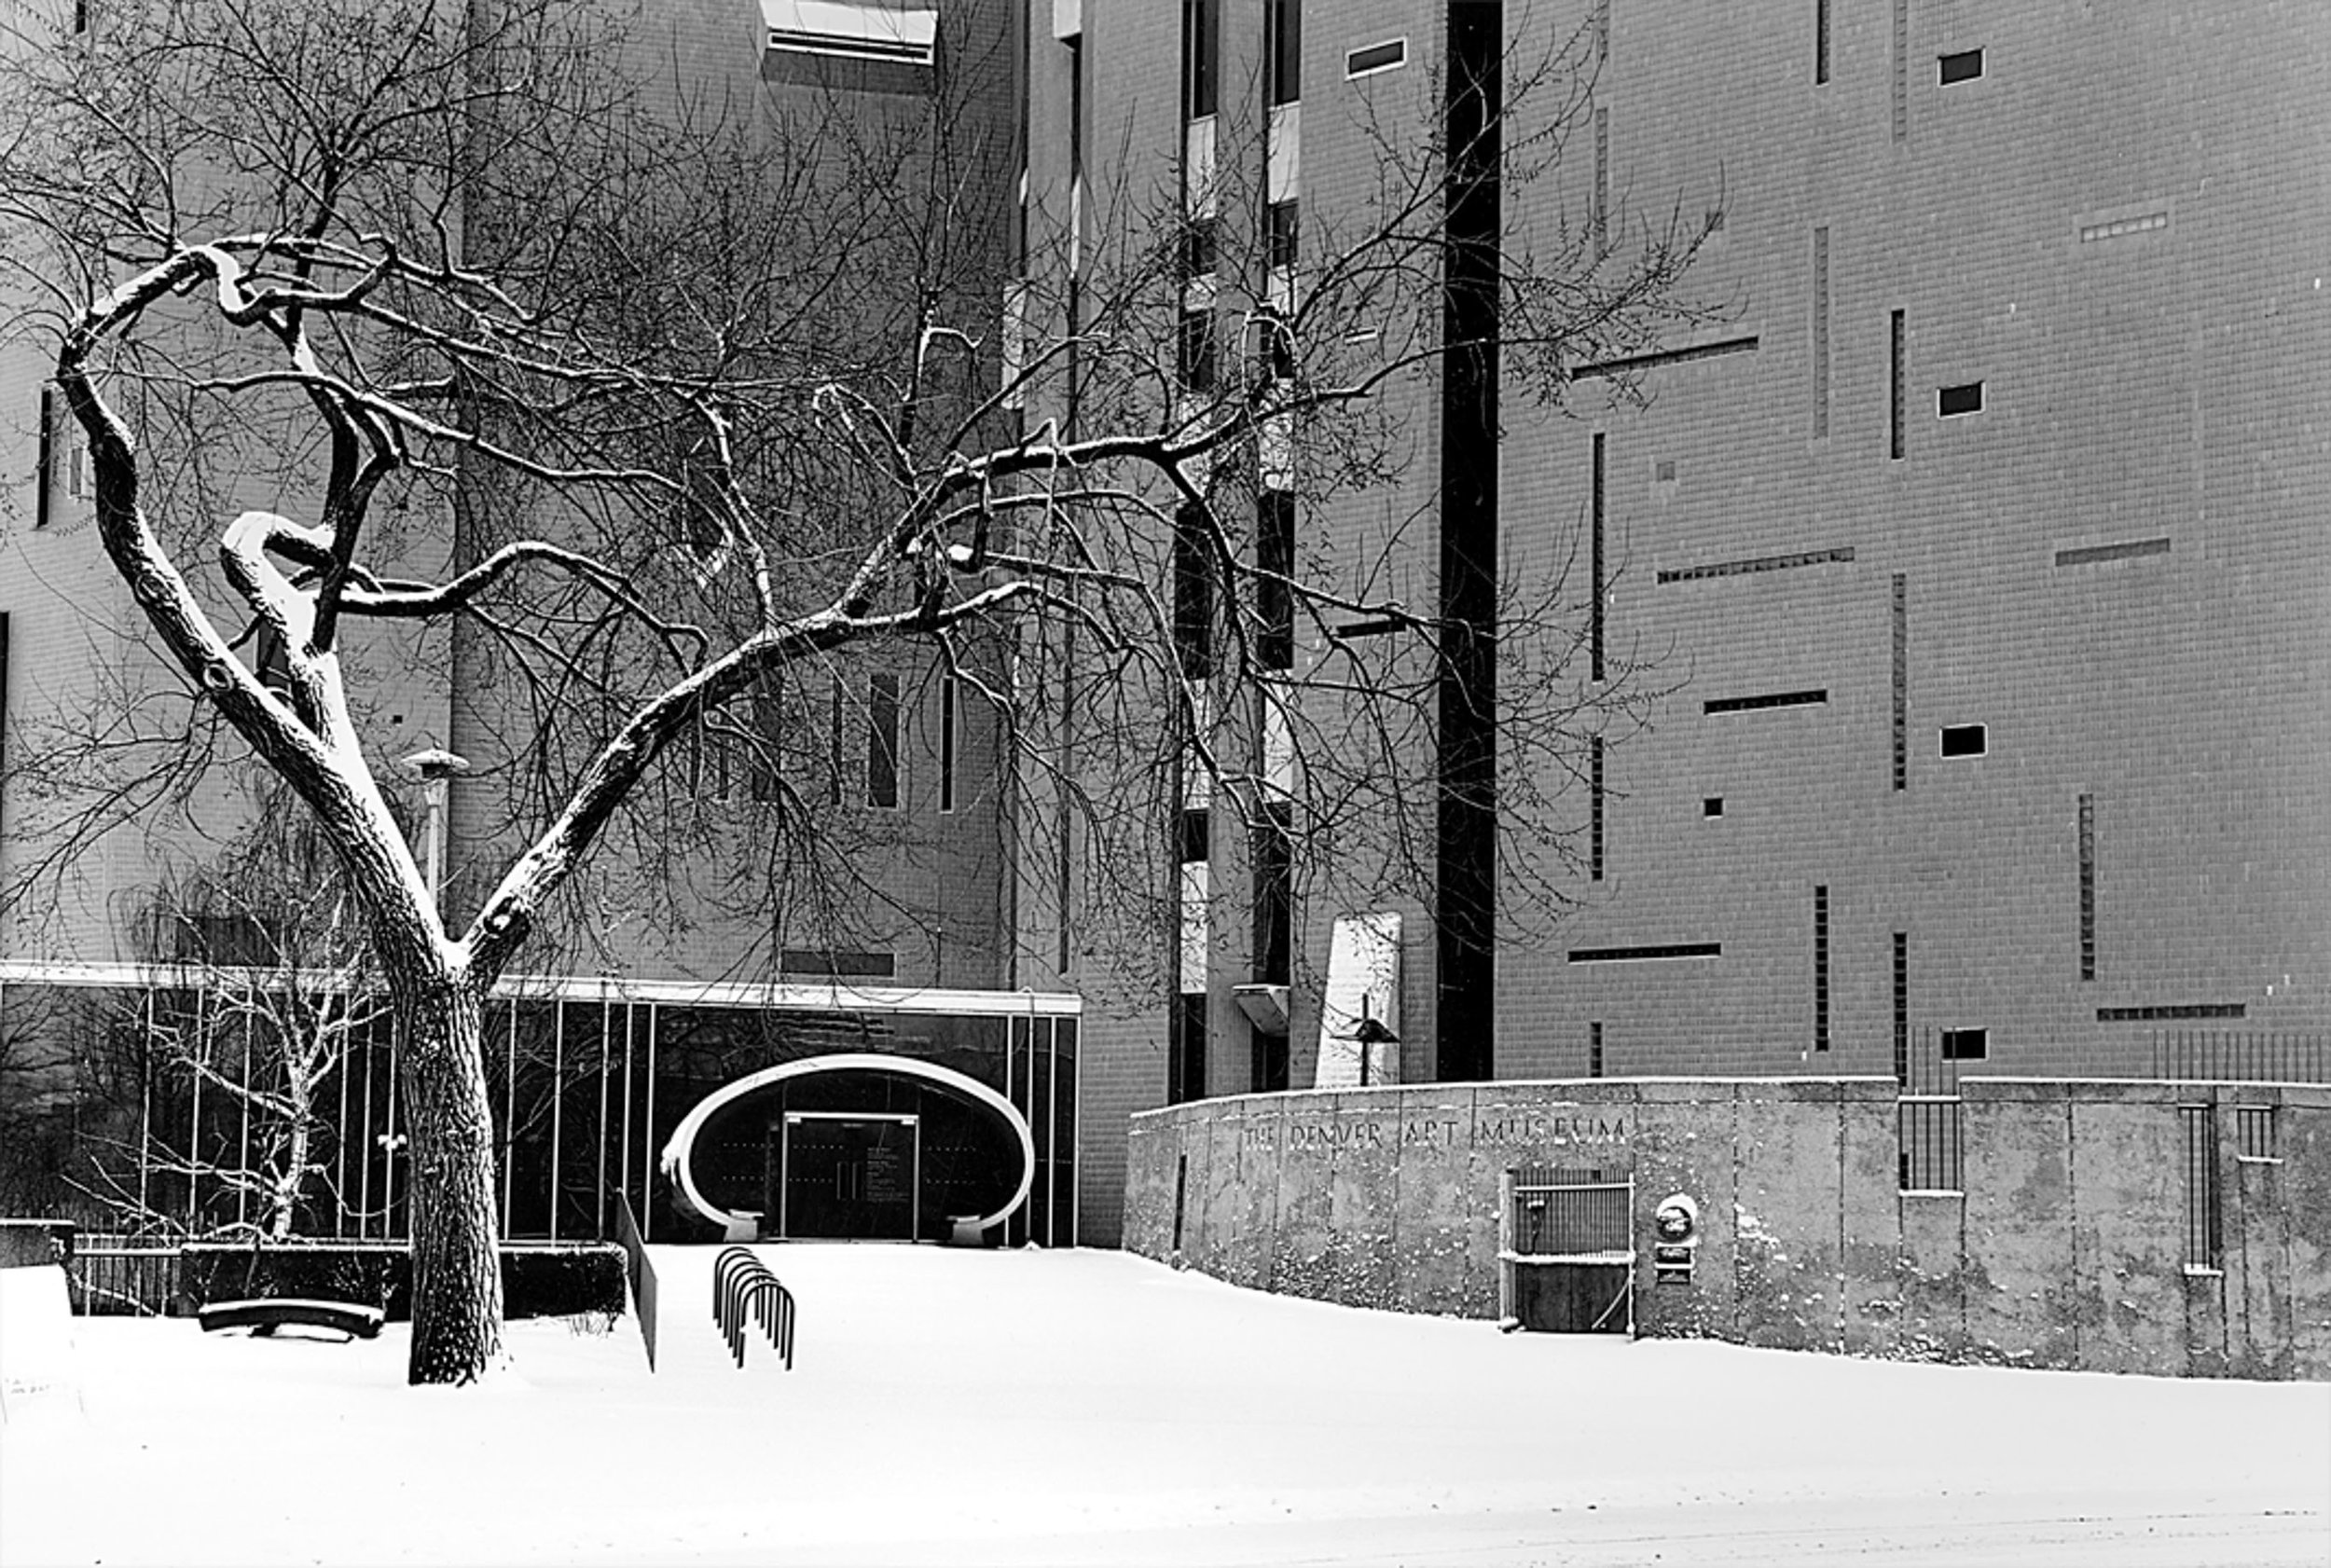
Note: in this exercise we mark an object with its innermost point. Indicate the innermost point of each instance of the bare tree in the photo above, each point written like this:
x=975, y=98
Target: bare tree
x=675, y=411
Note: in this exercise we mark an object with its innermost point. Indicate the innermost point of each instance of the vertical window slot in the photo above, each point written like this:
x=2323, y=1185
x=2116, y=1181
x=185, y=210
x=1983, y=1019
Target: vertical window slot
x=1821, y=969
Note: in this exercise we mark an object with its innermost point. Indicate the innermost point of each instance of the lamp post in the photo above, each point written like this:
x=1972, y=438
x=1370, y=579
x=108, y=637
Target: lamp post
x=436, y=768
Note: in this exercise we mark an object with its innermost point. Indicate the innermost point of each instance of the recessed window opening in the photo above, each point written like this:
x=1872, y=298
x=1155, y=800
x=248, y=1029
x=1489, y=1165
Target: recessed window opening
x=2254, y=1132
x=1962, y=65
x=841, y=31
x=1193, y=592
x=1195, y=841
x=1712, y=806
x=1196, y=346
x=1821, y=969
x=1640, y=955
x=1281, y=222
x=1283, y=43
x=1966, y=398
x=1201, y=56
x=1199, y=246
x=1594, y=799
x=1894, y=415
x=1390, y=55
x=1820, y=42
x=1275, y=566
x=950, y=700
x=1594, y=1050
x=1966, y=1045
x=1966, y=740
x=882, y=741
x=1663, y=472
x=1764, y=700
x=837, y=741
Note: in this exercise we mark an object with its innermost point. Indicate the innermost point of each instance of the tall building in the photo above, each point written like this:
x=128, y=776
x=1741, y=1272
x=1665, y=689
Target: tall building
x=1963, y=546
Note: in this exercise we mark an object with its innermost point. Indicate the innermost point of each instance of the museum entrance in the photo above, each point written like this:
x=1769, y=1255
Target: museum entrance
x=844, y=1175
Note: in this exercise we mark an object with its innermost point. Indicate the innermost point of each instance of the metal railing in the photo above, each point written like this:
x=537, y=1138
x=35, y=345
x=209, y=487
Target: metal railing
x=2240, y=1056
x=742, y=1283
x=116, y=1274
x=1926, y=1119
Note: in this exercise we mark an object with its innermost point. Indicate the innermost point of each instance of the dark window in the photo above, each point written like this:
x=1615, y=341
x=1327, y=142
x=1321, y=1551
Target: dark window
x=1901, y=681
x=1274, y=597
x=1281, y=222
x=837, y=741
x=44, y=464
x=1634, y=955
x=765, y=705
x=1963, y=66
x=1388, y=55
x=1901, y=1006
x=827, y=964
x=1764, y=700
x=1273, y=897
x=1186, y=1068
x=1712, y=806
x=1199, y=247
x=1182, y=1195
x=1196, y=348
x=1193, y=841
x=1594, y=562
x=1966, y=399
x=1276, y=344
x=882, y=741
x=2204, y=1246
x=2254, y=1133
x=1966, y=1045
x=1594, y=808
x=951, y=699
x=1964, y=740
x=1820, y=41
x=1821, y=969
x=1594, y=1050
x=1663, y=472
x=1893, y=418
x=1193, y=593
x=1201, y=56
x=2087, y=886
x=1283, y=46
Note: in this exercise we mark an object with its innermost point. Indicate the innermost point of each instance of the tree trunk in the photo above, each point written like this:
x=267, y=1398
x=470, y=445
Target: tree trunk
x=457, y=1265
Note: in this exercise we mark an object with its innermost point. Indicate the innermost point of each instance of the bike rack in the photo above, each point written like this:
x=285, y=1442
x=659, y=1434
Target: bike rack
x=741, y=1281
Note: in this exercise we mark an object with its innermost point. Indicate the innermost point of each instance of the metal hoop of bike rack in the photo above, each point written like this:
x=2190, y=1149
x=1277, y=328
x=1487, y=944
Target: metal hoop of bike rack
x=741, y=1282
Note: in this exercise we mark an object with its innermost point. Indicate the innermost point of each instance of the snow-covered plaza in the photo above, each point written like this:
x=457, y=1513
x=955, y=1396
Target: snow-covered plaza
x=1092, y=1408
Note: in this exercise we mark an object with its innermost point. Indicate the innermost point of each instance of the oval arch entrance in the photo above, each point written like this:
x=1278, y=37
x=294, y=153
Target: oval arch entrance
x=851, y=1143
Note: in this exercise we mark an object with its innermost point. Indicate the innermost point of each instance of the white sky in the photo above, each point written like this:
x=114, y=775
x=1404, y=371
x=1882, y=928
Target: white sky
x=1092, y=1407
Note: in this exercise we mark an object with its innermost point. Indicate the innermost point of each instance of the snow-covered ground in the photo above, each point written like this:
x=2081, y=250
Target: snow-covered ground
x=1092, y=1408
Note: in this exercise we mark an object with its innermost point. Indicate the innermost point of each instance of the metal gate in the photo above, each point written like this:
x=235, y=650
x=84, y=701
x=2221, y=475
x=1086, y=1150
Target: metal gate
x=1566, y=1249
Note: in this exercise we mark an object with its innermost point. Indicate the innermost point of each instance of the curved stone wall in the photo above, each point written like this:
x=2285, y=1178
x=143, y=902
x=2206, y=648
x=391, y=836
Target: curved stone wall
x=2067, y=1246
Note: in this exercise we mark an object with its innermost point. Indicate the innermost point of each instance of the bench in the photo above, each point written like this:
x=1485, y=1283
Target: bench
x=263, y=1317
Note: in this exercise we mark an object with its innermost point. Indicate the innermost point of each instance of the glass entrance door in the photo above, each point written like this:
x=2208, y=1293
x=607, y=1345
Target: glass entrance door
x=848, y=1175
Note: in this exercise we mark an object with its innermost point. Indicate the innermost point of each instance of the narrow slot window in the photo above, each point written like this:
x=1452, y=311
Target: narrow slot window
x=1181, y=1194
x=2087, y=886
x=1820, y=334
x=1594, y=1050
x=1966, y=1045
x=1962, y=65
x=1188, y=1072
x=1601, y=215
x=1901, y=71
x=1901, y=1006
x=2204, y=1248
x=1390, y=55
x=1196, y=350
x=1199, y=246
x=1594, y=563
x=1283, y=42
x=1201, y=56
x=1193, y=593
x=882, y=741
x=1821, y=969
x=44, y=465
x=1275, y=565
x=1273, y=897
x=1901, y=681
x=950, y=721
x=1594, y=808
x=1281, y=222
x=1893, y=418
x=1966, y=740
x=1966, y=398
x=1763, y=701
x=837, y=740
x=1820, y=42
